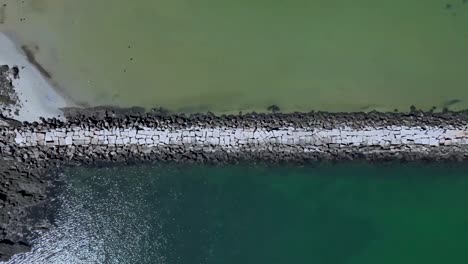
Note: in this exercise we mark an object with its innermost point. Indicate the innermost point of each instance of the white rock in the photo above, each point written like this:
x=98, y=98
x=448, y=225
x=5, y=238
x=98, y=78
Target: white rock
x=68, y=140
x=49, y=136
x=19, y=139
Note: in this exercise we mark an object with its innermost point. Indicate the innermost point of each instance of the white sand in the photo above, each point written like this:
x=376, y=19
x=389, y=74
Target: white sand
x=38, y=98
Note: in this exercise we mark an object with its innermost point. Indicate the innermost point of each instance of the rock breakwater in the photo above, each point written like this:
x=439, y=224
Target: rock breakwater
x=269, y=137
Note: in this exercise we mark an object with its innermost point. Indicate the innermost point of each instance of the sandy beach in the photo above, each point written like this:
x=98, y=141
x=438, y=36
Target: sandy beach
x=36, y=96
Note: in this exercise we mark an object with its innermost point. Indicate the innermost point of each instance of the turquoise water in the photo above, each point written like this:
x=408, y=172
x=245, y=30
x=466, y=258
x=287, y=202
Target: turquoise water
x=346, y=213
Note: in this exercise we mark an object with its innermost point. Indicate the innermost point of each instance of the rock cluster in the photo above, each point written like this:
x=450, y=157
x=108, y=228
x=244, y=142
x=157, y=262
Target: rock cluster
x=22, y=194
x=9, y=101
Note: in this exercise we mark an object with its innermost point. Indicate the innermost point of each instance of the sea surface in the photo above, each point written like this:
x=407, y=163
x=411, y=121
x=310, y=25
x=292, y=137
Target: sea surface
x=227, y=56
x=324, y=213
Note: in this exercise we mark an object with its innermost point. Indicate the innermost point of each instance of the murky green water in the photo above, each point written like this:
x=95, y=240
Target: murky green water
x=327, y=214
x=243, y=55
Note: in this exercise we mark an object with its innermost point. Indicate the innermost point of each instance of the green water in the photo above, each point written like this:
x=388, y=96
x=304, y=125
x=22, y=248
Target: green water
x=227, y=56
x=347, y=213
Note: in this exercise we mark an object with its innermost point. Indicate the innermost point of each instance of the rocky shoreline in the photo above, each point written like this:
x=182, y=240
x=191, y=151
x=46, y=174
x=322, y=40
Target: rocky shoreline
x=23, y=202
x=111, y=135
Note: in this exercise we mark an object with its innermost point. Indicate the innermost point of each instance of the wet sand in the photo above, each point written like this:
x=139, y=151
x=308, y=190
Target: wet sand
x=35, y=97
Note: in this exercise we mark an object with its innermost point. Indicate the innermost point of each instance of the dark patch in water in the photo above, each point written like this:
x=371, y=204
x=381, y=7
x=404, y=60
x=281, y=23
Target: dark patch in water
x=32, y=59
x=451, y=102
x=2, y=13
x=273, y=108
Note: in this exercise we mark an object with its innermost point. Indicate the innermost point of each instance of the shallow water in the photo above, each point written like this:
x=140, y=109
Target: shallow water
x=347, y=213
x=227, y=56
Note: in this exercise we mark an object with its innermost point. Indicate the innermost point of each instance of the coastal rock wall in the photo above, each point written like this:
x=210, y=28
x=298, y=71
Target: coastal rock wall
x=236, y=138
x=223, y=143
x=94, y=135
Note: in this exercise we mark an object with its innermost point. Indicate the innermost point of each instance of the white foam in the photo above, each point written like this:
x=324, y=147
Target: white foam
x=37, y=96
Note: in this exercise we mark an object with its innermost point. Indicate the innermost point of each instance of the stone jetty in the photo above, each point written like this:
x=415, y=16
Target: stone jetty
x=303, y=142
x=235, y=139
x=268, y=137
